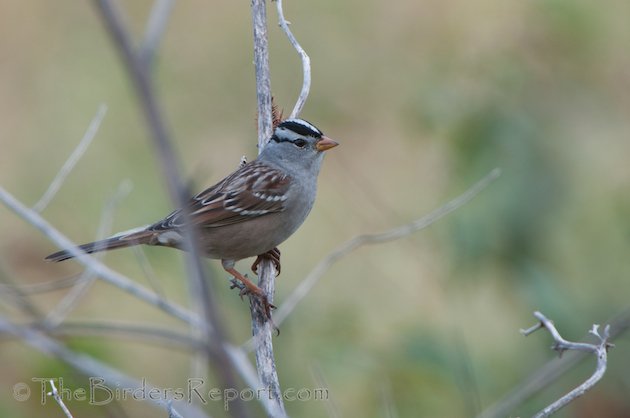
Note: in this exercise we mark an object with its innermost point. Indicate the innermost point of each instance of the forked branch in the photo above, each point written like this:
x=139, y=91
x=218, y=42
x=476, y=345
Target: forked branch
x=561, y=345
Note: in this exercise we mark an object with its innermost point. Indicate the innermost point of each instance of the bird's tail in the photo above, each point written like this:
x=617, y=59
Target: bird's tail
x=122, y=240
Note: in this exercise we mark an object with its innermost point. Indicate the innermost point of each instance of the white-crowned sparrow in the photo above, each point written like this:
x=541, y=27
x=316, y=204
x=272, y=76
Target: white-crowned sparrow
x=249, y=212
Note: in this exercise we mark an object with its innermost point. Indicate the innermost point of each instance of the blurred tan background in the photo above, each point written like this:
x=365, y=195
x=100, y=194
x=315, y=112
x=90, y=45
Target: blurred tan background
x=425, y=97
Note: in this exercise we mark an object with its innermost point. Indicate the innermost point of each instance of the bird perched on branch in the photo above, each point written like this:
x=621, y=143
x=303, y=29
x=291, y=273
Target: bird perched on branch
x=248, y=213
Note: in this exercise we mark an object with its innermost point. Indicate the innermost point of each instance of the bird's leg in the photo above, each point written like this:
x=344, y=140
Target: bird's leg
x=273, y=255
x=249, y=288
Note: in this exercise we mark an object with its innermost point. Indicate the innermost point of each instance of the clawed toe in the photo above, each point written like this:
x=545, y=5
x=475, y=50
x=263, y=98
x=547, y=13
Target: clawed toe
x=257, y=296
x=235, y=284
x=273, y=255
x=266, y=305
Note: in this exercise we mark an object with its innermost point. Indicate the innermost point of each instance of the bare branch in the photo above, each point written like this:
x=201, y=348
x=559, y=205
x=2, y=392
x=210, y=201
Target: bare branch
x=211, y=327
x=560, y=345
x=15, y=294
x=92, y=367
x=263, y=77
x=76, y=155
x=306, y=62
x=262, y=328
x=43, y=287
x=91, y=263
x=152, y=334
x=393, y=234
x=145, y=333
x=149, y=273
x=155, y=28
x=67, y=303
x=247, y=372
x=549, y=372
x=55, y=394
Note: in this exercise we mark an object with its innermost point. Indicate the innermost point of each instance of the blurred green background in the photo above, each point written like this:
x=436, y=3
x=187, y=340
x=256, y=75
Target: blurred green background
x=425, y=97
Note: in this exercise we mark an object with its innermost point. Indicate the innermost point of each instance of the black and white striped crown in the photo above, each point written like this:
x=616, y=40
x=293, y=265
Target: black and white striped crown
x=300, y=127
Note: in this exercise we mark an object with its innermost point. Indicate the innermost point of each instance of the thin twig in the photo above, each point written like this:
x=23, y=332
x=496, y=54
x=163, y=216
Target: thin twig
x=211, y=327
x=15, y=294
x=151, y=334
x=149, y=273
x=61, y=310
x=68, y=302
x=346, y=248
x=76, y=155
x=262, y=328
x=89, y=366
x=306, y=62
x=43, y=342
x=550, y=372
x=43, y=287
x=105, y=273
x=560, y=345
x=332, y=409
x=55, y=394
x=156, y=25
x=146, y=333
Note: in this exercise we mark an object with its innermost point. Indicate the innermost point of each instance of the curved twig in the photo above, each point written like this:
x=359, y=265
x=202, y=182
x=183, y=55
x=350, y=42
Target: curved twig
x=560, y=345
x=156, y=25
x=549, y=373
x=76, y=155
x=306, y=61
x=396, y=233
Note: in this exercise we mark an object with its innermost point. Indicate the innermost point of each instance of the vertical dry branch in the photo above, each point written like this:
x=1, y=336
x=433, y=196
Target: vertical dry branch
x=263, y=76
x=262, y=329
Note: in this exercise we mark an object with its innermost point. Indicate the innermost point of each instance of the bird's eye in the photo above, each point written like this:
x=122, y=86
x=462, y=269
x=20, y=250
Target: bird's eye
x=300, y=142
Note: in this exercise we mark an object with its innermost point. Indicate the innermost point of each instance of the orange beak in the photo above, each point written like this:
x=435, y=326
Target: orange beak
x=325, y=143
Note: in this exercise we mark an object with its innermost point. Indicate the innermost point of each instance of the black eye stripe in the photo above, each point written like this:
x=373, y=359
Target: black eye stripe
x=300, y=142
x=275, y=138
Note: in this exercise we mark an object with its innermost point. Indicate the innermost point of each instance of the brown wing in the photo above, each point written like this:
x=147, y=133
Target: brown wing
x=251, y=191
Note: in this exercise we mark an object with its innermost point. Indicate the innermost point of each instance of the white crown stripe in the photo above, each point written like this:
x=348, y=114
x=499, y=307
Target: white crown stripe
x=296, y=127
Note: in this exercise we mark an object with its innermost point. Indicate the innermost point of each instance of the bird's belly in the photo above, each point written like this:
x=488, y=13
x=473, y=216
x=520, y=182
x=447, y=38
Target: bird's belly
x=234, y=242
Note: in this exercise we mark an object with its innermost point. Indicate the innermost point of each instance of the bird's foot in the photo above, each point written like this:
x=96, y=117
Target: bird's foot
x=257, y=296
x=273, y=255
